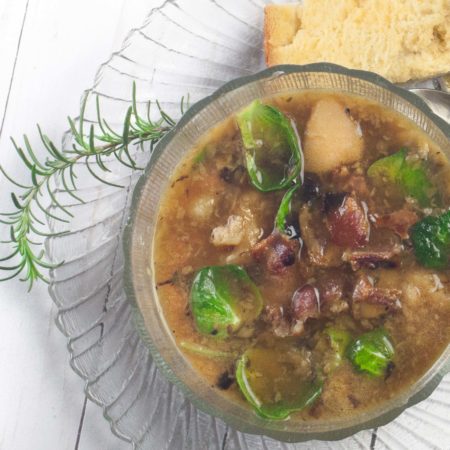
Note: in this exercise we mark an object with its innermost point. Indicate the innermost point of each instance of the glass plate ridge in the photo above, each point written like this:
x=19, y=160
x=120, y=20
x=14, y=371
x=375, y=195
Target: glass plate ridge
x=174, y=53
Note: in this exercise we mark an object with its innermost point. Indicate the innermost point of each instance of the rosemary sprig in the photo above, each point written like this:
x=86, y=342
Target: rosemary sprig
x=92, y=148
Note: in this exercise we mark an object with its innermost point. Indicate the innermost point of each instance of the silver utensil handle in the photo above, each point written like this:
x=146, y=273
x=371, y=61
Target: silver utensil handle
x=438, y=101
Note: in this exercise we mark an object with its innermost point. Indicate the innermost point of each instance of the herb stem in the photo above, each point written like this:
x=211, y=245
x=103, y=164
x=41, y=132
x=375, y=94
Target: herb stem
x=61, y=164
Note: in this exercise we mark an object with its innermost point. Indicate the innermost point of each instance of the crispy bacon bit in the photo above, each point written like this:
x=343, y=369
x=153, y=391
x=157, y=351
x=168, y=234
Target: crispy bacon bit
x=332, y=295
x=399, y=222
x=370, y=302
x=347, y=220
x=277, y=251
x=290, y=321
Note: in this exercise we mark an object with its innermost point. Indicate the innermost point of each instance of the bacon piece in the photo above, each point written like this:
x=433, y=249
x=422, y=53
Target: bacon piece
x=290, y=321
x=399, y=222
x=347, y=220
x=382, y=251
x=332, y=295
x=277, y=252
x=305, y=305
x=370, y=302
x=371, y=259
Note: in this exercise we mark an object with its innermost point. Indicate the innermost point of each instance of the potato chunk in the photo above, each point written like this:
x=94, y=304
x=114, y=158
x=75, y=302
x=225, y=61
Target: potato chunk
x=332, y=138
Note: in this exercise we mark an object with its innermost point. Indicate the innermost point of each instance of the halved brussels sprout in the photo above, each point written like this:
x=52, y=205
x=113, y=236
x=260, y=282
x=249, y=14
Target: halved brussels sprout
x=410, y=176
x=223, y=299
x=269, y=380
x=272, y=146
x=431, y=241
x=371, y=352
x=286, y=220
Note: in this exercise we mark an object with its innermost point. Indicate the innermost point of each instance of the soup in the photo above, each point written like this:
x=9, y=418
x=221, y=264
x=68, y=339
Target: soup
x=302, y=256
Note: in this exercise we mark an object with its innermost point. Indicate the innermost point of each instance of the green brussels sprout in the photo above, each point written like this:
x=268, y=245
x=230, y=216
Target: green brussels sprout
x=287, y=215
x=339, y=341
x=431, y=240
x=409, y=176
x=272, y=146
x=371, y=352
x=223, y=299
x=268, y=383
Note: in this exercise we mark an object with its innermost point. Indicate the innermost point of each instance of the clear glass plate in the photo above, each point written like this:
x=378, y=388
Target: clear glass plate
x=179, y=50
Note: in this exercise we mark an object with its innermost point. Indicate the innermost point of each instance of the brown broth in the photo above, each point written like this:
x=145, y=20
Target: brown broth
x=207, y=188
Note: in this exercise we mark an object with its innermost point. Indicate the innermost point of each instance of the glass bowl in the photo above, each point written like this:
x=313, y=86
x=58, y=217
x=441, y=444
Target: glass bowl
x=138, y=241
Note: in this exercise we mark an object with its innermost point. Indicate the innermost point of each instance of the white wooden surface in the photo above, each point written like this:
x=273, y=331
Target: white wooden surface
x=49, y=53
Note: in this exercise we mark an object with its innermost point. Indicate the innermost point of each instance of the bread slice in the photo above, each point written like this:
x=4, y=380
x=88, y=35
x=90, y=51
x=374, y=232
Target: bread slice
x=401, y=40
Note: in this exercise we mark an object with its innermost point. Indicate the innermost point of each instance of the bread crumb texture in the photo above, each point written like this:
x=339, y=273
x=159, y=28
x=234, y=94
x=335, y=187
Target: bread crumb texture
x=400, y=39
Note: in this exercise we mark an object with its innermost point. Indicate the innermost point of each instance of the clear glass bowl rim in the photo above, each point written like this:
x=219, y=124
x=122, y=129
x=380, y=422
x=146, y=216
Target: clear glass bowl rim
x=433, y=376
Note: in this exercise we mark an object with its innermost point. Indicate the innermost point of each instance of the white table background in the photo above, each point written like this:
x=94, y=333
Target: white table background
x=49, y=53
